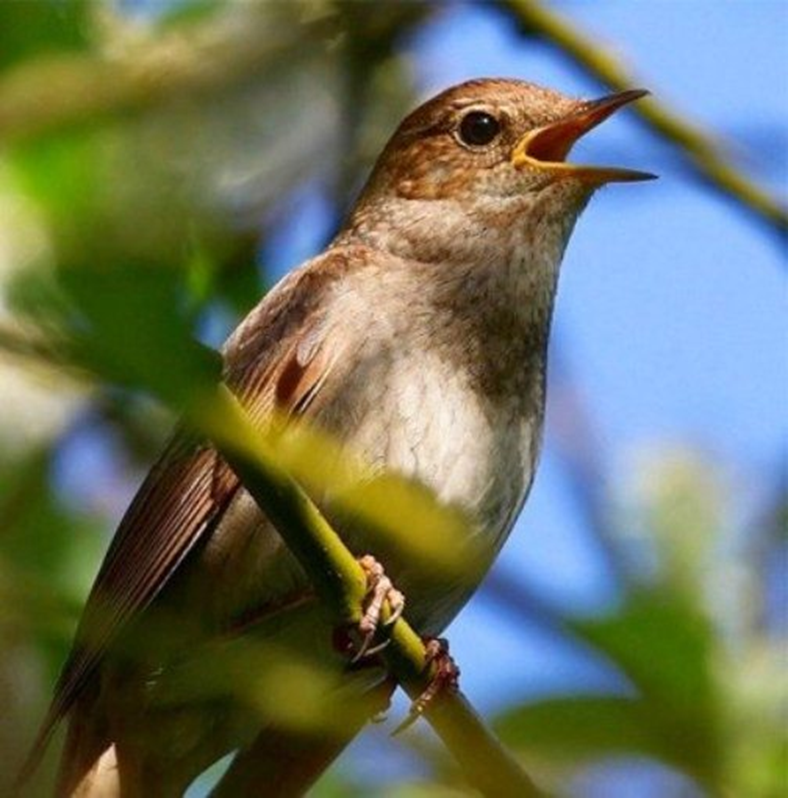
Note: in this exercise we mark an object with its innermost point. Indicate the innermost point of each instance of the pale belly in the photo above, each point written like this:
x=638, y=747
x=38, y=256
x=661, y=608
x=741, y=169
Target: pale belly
x=473, y=456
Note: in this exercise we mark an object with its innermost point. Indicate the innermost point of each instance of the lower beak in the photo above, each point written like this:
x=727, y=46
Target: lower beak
x=546, y=147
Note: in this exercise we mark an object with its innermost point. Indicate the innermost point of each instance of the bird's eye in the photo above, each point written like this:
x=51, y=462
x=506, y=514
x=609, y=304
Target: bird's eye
x=478, y=128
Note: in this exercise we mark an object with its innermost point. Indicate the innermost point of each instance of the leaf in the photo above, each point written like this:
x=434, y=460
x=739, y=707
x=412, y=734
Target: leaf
x=45, y=26
x=580, y=726
x=134, y=330
x=664, y=646
x=47, y=555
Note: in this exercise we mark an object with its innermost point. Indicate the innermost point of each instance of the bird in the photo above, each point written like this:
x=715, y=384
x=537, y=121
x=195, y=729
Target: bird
x=418, y=341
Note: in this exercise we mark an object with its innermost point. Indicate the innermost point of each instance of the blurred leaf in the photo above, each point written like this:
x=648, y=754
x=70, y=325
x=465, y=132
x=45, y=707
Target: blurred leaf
x=135, y=332
x=30, y=516
x=62, y=174
x=47, y=555
x=757, y=693
x=662, y=645
x=188, y=11
x=420, y=790
x=201, y=277
x=580, y=727
x=42, y=26
x=403, y=514
x=238, y=283
x=665, y=649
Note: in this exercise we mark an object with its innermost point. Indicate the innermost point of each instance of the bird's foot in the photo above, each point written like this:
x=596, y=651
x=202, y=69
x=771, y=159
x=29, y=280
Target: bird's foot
x=445, y=680
x=380, y=591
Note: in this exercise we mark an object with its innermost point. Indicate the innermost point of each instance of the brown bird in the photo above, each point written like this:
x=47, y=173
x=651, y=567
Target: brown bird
x=418, y=341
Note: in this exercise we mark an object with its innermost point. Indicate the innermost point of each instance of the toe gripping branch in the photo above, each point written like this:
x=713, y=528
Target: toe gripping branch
x=445, y=680
x=380, y=590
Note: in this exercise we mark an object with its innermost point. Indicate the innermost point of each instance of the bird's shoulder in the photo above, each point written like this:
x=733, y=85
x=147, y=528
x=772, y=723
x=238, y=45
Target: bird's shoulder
x=304, y=328
x=295, y=300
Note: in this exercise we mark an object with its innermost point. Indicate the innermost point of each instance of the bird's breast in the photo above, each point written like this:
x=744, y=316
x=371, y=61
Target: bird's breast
x=428, y=422
x=420, y=417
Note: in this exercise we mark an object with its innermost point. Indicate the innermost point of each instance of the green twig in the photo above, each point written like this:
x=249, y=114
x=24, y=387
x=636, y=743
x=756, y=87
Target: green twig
x=705, y=157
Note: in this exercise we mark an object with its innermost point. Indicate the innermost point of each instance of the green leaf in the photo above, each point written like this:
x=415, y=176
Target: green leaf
x=134, y=330
x=39, y=27
x=665, y=648
x=47, y=553
x=580, y=727
x=661, y=643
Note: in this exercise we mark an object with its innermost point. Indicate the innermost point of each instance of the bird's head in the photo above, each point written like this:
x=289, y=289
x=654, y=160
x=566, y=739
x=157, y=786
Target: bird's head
x=488, y=152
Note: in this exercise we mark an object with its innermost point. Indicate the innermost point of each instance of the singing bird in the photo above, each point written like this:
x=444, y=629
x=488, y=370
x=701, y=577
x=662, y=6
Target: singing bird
x=418, y=341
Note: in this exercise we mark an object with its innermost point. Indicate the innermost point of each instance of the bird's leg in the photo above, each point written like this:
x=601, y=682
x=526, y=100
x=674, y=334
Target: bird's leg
x=446, y=679
x=380, y=591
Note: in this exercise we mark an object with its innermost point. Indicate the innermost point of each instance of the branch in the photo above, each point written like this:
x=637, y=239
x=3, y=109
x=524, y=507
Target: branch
x=50, y=93
x=137, y=73
x=340, y=582
x=705, y=157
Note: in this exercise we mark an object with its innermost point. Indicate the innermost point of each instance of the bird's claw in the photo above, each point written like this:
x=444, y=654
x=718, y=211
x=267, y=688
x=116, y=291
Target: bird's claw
x=380, y=591
x=446, y=679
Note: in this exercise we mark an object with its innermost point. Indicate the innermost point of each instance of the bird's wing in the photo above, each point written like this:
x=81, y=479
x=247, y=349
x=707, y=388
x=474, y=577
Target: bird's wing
x=276, y=357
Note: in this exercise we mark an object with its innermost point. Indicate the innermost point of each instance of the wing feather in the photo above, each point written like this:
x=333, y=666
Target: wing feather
x=275, y=357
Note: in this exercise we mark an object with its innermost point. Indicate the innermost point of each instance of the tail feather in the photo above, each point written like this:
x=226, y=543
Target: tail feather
x=88, y=764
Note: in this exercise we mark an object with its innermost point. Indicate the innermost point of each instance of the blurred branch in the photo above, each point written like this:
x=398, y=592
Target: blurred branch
x=32, y=348
x=579, y=447
x=704, y=154
x=369, y=92
x=142, y=72
x=341, y=583
x=514, y=596
x=56, y=92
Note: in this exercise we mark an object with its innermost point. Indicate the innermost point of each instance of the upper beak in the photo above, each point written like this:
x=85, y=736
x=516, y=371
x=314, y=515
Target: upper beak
x=546, y=147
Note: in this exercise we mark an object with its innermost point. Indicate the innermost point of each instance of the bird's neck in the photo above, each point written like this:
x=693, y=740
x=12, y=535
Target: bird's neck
x=515, y=243
x=489, y=277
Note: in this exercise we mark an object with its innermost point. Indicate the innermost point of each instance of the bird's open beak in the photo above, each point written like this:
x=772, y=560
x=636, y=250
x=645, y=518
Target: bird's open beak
x=546, y=147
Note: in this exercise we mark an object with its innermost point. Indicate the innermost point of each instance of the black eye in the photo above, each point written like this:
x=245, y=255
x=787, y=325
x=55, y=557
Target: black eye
x=478, y=128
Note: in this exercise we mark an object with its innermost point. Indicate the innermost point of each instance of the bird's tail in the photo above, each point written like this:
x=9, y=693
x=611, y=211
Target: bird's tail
x=88, y=764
